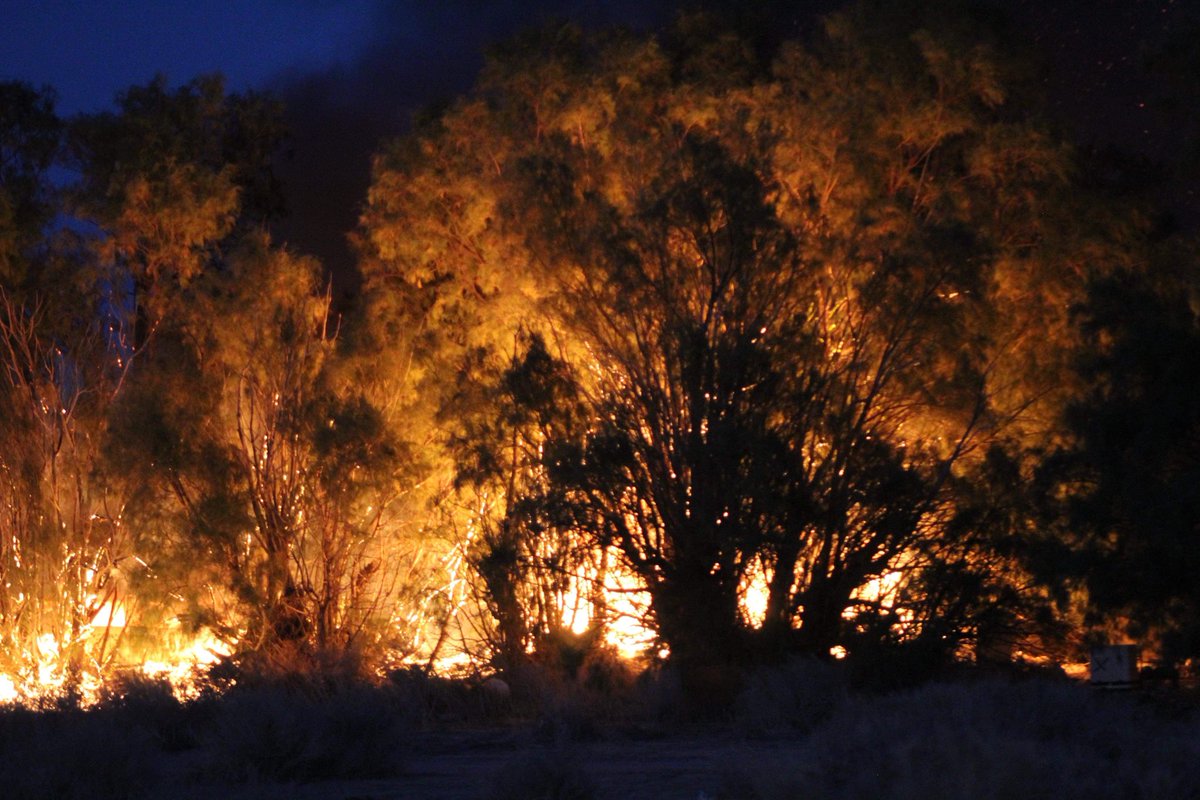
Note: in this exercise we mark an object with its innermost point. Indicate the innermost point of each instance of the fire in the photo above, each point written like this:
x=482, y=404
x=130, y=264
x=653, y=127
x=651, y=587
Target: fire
x=47, y=674
x=8, y=690
x=628, y=605
x=181, y=669
x=109, y=615
x=754, y=594
x=882, y=591
x=624, y=603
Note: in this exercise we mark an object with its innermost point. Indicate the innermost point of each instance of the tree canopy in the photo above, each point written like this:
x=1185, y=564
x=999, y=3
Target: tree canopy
x=800, y=298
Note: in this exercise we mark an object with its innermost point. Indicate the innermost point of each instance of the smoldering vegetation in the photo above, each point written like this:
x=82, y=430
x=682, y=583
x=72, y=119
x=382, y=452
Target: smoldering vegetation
x=800, y=730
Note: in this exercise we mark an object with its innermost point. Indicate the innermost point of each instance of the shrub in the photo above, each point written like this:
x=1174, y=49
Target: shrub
x=426, y=698
x=547, y=776
x=150, y=703
x=72, y=754
x=271, y=734
x=984, y=741
x=793, y=696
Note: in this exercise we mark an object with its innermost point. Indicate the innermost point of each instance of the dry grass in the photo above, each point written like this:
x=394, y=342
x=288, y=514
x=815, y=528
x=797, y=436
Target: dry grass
x=983, y=740
x=548, y=776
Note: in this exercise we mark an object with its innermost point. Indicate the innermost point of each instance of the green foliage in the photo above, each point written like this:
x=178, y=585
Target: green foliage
x=269, y=480
x=170, y=176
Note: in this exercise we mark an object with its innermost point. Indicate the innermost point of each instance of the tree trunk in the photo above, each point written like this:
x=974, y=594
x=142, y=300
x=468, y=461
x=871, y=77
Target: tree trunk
x=699, y=622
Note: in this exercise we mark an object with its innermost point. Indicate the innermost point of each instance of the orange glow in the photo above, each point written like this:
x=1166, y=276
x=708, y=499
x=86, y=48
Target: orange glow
x=625, y=606
x=882, y=591
x=628, y=606
x=8, y=690
x=109, y=615
x=180, y=667
x=46, y=671
x=754, y=594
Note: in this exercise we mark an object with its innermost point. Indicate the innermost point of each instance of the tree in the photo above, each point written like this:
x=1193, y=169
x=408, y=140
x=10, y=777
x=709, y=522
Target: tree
x=270, y=479
x=170, y=178
x=66, y=555
x=1123, y=488
x=798, y=301
x=29, y=142
x=285, y=480
x=539, y=576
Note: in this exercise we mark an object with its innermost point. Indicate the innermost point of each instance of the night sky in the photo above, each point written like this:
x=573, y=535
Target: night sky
x=352, y=72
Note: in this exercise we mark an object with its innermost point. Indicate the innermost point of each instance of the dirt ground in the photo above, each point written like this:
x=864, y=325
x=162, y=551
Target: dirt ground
x=465, y=765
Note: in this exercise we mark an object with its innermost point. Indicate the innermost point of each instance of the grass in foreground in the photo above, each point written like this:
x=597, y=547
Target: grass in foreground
x=971, y=739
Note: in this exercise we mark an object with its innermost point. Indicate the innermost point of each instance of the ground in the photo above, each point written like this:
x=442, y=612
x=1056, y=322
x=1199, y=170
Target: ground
x=454, y=766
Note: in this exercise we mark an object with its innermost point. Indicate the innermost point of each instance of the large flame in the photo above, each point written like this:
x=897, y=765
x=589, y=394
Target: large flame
x=616, y=594
x=47, y=673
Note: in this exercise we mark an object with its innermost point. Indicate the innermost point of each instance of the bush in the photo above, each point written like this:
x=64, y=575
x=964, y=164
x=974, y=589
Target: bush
x=794, y=696
x=150, y=703
x=425, y=698
x=267, y=734
x=984, y=741
x=70, y=754
x=547, y=776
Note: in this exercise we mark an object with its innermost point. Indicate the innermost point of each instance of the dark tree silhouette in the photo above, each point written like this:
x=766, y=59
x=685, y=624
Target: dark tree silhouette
x=1127, y=485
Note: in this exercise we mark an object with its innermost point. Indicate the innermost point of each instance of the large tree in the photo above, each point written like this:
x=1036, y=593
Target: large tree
x=798, y=294
x=267, y=475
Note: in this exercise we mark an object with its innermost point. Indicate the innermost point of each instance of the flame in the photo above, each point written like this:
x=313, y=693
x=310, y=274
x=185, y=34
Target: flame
x=8, y=691
x=754, y=594
x=882, y=591
x=628, y=605
x=623, y=602
x=182, y=667
x=48, y=673
x=109, y=615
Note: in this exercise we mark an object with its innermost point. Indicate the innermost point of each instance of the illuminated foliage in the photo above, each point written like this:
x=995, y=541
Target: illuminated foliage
x=66, y=558
x=268, y=478
x=169, y=177
x=780, y=289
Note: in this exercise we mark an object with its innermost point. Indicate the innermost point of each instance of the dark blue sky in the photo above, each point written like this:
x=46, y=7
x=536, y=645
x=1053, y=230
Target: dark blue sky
x=90, y=50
